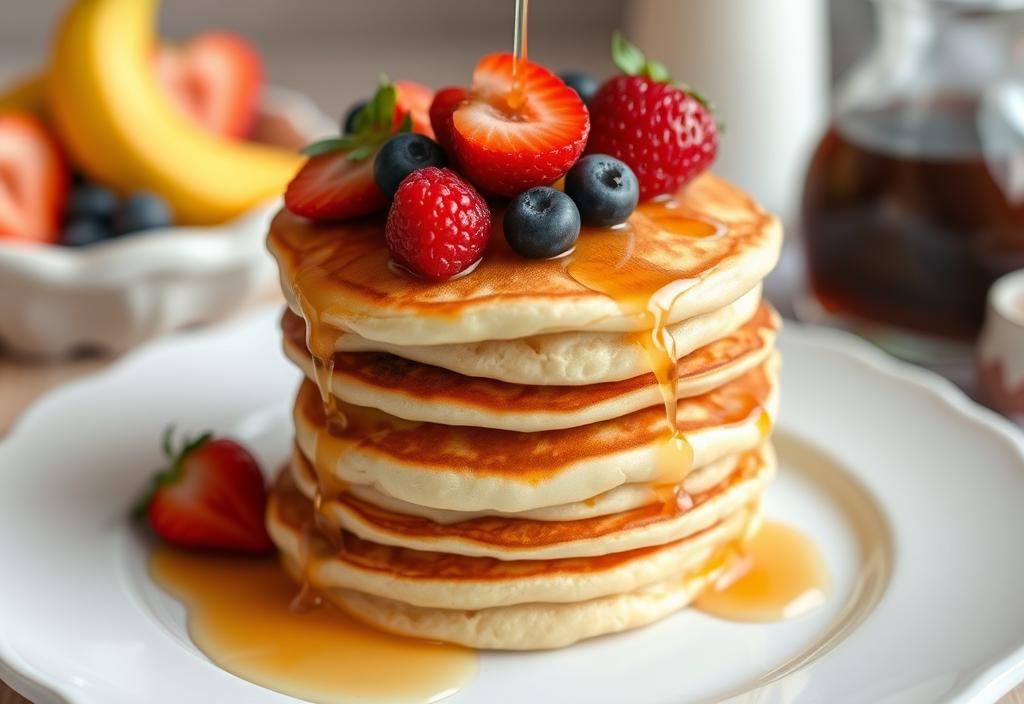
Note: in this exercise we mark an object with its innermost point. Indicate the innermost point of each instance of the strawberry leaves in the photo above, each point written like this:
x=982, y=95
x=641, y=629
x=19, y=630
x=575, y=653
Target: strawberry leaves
x=372, y=126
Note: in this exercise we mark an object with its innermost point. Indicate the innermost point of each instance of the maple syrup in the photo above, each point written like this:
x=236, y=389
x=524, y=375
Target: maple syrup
x=239, y=615
x=777, y=574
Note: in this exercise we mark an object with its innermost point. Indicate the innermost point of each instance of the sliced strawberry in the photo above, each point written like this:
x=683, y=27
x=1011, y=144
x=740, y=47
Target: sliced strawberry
x=332, y=186
x=446, y=102
x=216, y=79
x=414, y=99
x=337, y=182
x=34, y=180
x=211, y=497
x=513, y=135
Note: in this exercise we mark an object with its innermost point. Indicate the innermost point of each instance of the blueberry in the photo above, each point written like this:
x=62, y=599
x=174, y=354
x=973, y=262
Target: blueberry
x=542, y=223
x=142, y=211
x=348, y=122
x=584, y=84
x=604, y=189
x=403, y=154
x=91, y=201
x=83, y=231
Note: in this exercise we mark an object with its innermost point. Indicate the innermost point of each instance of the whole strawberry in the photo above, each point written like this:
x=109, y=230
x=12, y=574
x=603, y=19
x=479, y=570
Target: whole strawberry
x=665, y=133
x=211, y=496
x=438, y=225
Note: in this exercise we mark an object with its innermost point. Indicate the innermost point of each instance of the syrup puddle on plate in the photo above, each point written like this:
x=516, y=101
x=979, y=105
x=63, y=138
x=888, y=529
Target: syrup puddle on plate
x=778, y=574
x=239, y=615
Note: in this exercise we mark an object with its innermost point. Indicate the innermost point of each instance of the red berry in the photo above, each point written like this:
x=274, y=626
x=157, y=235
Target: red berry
x=446, y=102
x=414, y=99
x=211, y=497
x=507, y=140
x=666, y=135
x=333, y=187
x=216, y=79
x=34, y=179
x=438, y=225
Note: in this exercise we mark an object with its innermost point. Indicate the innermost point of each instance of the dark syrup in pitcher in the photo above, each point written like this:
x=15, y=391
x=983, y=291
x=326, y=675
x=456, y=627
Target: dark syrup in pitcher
x=905, y=224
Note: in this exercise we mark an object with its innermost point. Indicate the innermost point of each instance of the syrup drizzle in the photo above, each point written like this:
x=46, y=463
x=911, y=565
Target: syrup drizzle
x=517, y=96
x=239, y=615
x=777, y=574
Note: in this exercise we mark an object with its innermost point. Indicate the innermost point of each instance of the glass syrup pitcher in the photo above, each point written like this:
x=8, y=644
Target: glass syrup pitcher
x=914, y=199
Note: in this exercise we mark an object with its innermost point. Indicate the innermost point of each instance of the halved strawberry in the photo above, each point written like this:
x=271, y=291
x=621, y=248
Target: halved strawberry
x=446, y=102
x=332, y=186
x=414, y=99
x=211, y=497
x=513, y=135
x=34, y=180
x=216, y=79
x=337, y=182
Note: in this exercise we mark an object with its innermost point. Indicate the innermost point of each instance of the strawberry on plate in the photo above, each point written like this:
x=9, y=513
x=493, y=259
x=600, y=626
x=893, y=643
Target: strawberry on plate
x=511, y=135
x=211, y=496
x=446, y=102
x=664, y=132
x=34, y=180
x=216, y=79
x=414, y=100
x=337, y=182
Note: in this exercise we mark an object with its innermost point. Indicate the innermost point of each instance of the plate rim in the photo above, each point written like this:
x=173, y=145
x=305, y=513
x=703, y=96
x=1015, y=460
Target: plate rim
x=988, y=683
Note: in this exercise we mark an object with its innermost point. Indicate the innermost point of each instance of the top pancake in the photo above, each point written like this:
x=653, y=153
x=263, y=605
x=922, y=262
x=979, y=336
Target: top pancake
x=706, y=248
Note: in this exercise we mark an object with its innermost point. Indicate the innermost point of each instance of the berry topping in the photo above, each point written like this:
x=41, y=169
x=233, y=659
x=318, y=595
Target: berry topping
x=83, y=231
x=210, y=497
x=542, y=223
x=91, y=201
x=438, y=225
x=216, y=79
x=604, y=189
x=446, y=102
x=665, y=133
x=34, y=180
x=414, y=100
x=337, y=181
x=584, y=84
x=142, y=211
x=348, y=123
x=401, y=155
x=513, y=134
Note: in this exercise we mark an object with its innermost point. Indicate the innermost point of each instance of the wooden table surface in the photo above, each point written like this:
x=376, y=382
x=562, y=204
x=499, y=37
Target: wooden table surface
x=22, y=382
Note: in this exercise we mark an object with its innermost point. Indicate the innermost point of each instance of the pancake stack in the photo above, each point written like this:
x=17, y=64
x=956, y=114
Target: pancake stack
x=490, y=461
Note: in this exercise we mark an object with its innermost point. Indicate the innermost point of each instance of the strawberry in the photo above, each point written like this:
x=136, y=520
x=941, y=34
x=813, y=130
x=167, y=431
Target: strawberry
x=665, y=133
x=34, y=180
x=512, y=135
x=446, y=102
x=337, y=182
x=438, y=225
x=210, y=497
x=216, y=79
x=414, y=100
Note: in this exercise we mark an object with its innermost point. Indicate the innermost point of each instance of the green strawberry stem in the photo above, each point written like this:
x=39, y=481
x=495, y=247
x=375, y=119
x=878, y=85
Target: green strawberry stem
x=175, y=467
x=372, y=126
x=629, y=59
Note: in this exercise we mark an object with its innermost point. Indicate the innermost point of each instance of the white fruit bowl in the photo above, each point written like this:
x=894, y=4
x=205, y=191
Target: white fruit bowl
x=110, y=296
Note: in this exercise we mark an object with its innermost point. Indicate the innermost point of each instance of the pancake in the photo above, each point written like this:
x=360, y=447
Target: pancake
x=532, y=626
x=420, y=392
x=474, y=469
x=431, y=579
x=508, y=538
x=621, y=498
x=566, y=358
x=712, y=243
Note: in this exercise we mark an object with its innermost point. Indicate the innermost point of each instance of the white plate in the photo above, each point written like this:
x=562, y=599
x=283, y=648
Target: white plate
x=913, y=493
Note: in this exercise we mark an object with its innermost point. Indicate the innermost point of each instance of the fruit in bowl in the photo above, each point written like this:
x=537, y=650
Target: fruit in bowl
x=185, y=144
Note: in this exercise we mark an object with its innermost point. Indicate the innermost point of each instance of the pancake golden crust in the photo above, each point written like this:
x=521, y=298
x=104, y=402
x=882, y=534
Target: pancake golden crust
x=342, y=273
x=526, y=457
x=426, y=393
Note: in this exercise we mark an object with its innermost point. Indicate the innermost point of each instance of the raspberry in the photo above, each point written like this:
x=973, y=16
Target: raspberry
x=438, y=225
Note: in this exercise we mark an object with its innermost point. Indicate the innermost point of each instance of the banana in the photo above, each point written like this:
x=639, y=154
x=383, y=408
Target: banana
x=124, y=132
